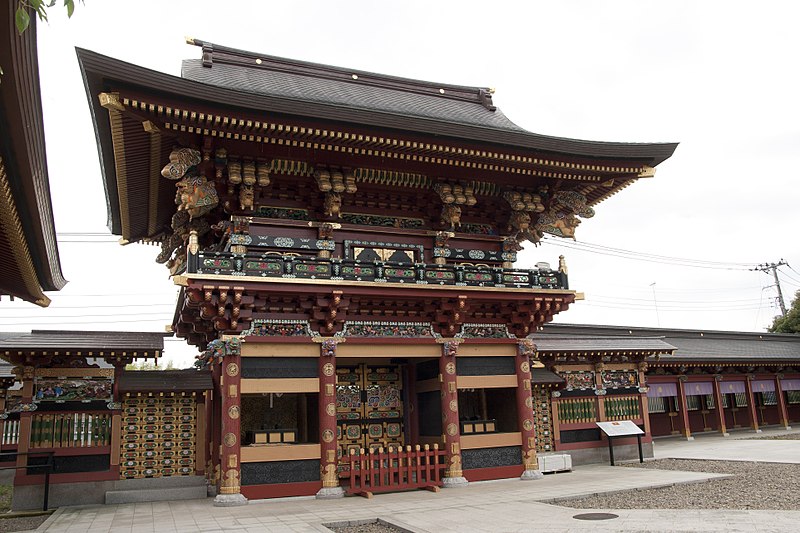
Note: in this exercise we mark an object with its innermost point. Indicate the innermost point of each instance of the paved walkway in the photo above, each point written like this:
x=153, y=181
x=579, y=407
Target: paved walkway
x=502, y=506
x=737, y=447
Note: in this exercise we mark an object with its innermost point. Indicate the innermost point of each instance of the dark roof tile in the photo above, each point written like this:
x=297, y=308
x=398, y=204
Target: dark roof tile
x=165, y=380
x=351, y=94
x=574, y=343
x=86, y=340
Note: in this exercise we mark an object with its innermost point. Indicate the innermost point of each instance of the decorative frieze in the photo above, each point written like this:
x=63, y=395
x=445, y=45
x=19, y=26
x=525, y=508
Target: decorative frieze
x=382, y=221
x=387, y=329
x=279, y=328
x=619, y=379
x=350, y=247
x=485, y=331
x=477, y=229
x=582, y=380
x=285, y=213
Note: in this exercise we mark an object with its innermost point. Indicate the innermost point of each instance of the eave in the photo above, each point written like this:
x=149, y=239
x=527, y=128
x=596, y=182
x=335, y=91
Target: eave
x=177, y=107
x=28, y=245
x=212, y=305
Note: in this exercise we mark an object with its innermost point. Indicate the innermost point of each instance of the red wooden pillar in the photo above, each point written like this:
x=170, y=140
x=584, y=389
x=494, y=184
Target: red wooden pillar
x=327, y=420
x=783, y=412
x=685, y=430
x=214, y=431
x=412, y=411
x=718, y=403
x=453, y=475
x=751, y=403
x=230, y=381
x=525, y=414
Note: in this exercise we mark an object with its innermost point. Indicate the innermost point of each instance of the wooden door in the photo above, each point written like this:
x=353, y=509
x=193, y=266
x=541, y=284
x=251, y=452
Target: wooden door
x=369, y=407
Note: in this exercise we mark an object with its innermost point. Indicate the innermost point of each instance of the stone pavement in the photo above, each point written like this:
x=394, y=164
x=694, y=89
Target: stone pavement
x=502, y=506
x=737, y=447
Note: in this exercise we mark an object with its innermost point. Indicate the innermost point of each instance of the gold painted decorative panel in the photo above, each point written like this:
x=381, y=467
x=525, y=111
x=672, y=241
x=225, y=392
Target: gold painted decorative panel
x=159, y=436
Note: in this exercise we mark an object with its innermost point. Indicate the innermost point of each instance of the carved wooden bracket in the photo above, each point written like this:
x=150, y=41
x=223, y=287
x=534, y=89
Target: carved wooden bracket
x=329, y=312
x=450, y=314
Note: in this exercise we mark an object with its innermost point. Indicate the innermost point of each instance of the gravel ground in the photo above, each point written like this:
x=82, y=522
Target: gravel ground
x=375, y=527
x=788, y=436
x=766, y=486
x=22, y=523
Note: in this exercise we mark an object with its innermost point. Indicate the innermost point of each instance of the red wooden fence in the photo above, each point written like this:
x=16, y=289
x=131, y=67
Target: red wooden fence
x=397, y=469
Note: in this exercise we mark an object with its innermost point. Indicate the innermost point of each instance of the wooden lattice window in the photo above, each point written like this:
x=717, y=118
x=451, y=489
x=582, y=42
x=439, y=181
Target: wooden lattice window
x=657, y=405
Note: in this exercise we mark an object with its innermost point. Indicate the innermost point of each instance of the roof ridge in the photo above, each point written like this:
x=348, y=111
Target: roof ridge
x=233, y=56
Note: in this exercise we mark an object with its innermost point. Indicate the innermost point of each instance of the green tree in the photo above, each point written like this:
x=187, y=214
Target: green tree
x=22, y=16
x=789, y=323
x=150, y=365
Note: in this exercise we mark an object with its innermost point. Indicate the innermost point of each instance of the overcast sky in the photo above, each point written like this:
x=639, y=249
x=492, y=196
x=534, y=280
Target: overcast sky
x=718, y=77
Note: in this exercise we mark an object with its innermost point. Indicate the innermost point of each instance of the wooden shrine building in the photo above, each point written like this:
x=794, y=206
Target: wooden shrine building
x=345, y=243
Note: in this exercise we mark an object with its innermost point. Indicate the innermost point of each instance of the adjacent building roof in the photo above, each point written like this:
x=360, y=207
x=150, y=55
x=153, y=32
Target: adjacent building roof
x=29, y=260
x=596, y=343
x=544, y=376
x=165, y=380
x=145, y=344
x=690, y=345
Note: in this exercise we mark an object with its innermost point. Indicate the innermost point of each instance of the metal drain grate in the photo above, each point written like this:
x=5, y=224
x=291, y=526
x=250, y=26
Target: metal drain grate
x=595, y=516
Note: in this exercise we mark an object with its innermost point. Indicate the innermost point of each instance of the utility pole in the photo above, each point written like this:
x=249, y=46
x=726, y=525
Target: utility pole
x=766, y=267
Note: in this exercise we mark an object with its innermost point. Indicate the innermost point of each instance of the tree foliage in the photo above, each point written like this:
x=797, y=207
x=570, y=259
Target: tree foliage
x=150, y=365
x=789, y=323
x=22, y=17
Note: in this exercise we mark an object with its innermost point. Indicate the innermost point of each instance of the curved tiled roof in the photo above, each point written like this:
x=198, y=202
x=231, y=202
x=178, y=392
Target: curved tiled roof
x=351, y=94
x=445, y=109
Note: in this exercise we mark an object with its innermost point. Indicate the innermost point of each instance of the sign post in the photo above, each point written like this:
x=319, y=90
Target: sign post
x=621, y=428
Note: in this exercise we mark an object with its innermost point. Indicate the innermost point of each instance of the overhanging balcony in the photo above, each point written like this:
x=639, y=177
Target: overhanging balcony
x=295, y=267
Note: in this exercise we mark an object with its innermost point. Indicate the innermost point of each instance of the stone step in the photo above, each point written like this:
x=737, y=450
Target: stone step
x=169, y=482
x=155, y=494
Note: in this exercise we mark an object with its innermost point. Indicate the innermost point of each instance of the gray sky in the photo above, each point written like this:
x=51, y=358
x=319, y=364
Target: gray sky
x=718, y=77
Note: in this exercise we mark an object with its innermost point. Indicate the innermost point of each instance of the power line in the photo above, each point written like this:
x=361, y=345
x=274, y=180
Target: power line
x=49, y=316
x=85, y=323
x=774, y=268
x=92, y=306
x=652, y=258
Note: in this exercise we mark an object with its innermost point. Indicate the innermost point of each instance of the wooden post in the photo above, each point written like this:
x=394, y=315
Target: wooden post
x=200, y=435
x=718, y=402
x=644, y=407
x=751, y=403
x=229, y=351
x=525, y=414
x=327, y=419
x=601, y=399
x=116, y=420
x=555, y=399
x=214, y=427
x=412, y=413
x=25, y=419
x=453, y=476
x=782, y=411
x=687, y=432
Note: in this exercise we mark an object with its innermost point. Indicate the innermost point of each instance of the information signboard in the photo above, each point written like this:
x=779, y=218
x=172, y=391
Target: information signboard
x=620, y=428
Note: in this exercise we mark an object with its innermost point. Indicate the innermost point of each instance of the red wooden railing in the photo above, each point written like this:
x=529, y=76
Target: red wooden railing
x=397, y=469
